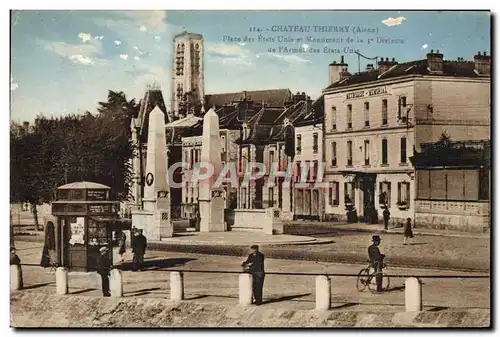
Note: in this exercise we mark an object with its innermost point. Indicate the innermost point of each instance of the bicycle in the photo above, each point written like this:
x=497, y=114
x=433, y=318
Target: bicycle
x=365, y=278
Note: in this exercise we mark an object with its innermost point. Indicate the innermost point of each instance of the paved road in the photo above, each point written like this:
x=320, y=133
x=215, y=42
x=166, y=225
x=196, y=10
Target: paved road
x=279, y=290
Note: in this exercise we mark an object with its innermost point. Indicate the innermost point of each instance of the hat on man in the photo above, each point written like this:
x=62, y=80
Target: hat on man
x=103, y=249
x=376, y=238
x=254, y=247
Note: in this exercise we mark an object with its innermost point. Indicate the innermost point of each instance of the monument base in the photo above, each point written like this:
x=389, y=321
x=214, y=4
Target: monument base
x=155, y=225
x=212, y=215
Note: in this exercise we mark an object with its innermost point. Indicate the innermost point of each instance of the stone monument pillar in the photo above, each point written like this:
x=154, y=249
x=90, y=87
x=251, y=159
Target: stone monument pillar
x=156, y=202
x=211, y=199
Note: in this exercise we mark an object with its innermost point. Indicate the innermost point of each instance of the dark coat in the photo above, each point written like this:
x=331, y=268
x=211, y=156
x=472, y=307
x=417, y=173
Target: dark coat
x=139, y=244
x=14, y=259
x=103, y=264
x=374, y=254
x=121, y=243
x=408, y=232
x=255, y=262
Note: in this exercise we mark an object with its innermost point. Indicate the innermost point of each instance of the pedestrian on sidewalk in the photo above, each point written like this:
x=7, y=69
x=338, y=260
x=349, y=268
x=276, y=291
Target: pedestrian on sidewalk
x=386, y=214
x=121, y=244
x=139, y=249
x=255, y=265
x=16, y=261
x=103, y=269
x=408, y=232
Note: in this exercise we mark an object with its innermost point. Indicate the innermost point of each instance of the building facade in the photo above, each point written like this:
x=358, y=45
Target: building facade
x=376, y=119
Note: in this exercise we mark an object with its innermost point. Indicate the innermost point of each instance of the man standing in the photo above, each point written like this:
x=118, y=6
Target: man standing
x=103, y=269
x=386, y=215
x=255, y=264
x=376, y=260
x=139, y=245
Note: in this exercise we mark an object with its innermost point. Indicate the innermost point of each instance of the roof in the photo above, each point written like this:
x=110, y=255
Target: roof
x=314, y=115
x=82, y=185
x=188, y=121
x=186, y=33
x=153, y=98
x=419, y=67
x=271, y=97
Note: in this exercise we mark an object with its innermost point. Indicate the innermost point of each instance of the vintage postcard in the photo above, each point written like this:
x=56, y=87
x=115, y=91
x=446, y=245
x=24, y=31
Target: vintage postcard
x=250, y=169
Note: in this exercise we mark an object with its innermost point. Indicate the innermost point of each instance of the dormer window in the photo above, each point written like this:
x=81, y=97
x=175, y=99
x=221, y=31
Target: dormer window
x=245, y=131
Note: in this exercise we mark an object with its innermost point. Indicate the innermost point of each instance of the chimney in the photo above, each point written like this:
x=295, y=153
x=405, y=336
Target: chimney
x=482, y=63
x=383, y=66
x=308, y=103
x=435, y=61
x=299, y=97
x=337, y=70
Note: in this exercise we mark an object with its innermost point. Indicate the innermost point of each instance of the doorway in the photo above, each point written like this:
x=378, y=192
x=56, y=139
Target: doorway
x=368, y=188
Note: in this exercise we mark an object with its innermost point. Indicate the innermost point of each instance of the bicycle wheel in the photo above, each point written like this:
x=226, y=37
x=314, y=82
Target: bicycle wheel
x=372, y=284
x=362, y=279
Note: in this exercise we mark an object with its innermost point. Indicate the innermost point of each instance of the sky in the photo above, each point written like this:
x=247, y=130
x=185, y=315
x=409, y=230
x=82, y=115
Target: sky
x=66, y=61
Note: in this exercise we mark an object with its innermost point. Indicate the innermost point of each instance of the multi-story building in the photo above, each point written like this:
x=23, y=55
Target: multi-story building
x=309, y=200
x=376, y=119
x=233, y=109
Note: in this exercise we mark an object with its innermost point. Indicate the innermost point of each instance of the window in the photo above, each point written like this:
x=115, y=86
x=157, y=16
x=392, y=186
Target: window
x=367, y=114
x=334, y=194
x=298, y=171
x=385, y=193
x=403, y=150
x=349, y=193
x=223, y=143
x=334, y=153
x=315, y=143
x=404, y=195
x=367, y=152
x=334, y=118
x=384, y=112
x=271, y=197
x=384, y=151
x=402, y=109
x=186, y=157
x=299, y=143
x=271, y=158
x=349, y=116
x=314, y=170
x=243, y=198
x=349, y=153
x=192, y=195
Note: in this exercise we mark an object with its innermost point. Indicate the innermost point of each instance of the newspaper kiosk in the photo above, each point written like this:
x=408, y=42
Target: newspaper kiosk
x=86, y=219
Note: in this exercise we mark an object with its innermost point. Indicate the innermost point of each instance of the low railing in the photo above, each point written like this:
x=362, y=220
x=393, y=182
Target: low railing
x=413, y=284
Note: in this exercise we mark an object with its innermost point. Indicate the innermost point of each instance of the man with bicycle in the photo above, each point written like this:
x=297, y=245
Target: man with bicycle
x=376, y=260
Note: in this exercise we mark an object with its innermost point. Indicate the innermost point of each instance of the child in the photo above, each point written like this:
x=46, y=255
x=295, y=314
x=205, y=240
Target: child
x=408, y=233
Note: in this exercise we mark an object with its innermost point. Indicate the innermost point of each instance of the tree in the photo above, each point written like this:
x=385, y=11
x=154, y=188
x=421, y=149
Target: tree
x=74, y=148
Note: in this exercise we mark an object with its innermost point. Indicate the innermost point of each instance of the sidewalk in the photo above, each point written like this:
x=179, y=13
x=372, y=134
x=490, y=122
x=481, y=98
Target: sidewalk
x=378, y=229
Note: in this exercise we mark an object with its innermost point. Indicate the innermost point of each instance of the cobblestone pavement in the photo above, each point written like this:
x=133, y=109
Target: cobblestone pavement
x=279, y=290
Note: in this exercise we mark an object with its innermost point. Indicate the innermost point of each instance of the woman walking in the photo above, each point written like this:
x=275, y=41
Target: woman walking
x=408, y=232
x=121, y=245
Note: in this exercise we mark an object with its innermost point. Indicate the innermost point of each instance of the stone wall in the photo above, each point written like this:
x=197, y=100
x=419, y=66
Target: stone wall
x=453, y=215
x=50, y=311
x=249, y=219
